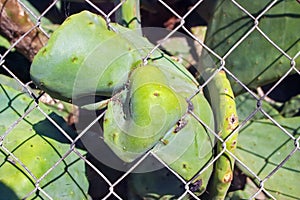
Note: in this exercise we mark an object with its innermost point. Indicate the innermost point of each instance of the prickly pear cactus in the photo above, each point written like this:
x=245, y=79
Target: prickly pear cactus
x=149, y=103
x=68, y=53
x=229, y=24
x=131, y=124
x=224, y=108
x=148, y=106
x=263, y=150
x=38, y=145
x=94, y=59
x=151, y=112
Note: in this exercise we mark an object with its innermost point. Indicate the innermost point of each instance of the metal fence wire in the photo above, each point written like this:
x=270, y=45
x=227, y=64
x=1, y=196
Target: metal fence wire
x=29, y=119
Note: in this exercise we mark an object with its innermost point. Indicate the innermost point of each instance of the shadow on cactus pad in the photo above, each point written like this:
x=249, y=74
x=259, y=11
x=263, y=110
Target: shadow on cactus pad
x=32, y=157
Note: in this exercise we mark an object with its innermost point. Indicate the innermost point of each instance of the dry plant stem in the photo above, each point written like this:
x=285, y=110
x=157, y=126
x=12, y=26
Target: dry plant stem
x=14, y=23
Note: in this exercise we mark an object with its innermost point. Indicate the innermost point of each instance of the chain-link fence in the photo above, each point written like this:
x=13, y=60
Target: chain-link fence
x=43, y=157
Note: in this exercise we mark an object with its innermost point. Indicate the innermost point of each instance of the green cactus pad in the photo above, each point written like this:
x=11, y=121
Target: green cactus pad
x=147, y=101
x=263, y=146
x=188, y=147
x=255, y=61
x=83, y=48
x=224, y=108
x=38, y=144
x=140, y=115
x=152, y=112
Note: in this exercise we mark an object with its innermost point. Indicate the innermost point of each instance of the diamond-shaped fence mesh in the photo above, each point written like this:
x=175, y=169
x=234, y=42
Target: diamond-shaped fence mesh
x=52, y=149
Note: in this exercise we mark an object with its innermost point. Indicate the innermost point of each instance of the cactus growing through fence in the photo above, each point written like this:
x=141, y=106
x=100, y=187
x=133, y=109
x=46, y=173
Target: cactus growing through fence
x=110, y=64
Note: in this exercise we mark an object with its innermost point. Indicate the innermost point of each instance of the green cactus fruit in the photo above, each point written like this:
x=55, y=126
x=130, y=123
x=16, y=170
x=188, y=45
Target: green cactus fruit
x=38, y=145
x=139, y=116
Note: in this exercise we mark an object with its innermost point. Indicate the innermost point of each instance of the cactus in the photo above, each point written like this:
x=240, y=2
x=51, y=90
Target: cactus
x=263, y=150
x=223, y=105
x=263, y=146
x=129, y=15
x=132, y=125
x=38, y=144
x=229, y=24
x=246, y=104
x=149, y=108
x=93, y=60
x=69, y=50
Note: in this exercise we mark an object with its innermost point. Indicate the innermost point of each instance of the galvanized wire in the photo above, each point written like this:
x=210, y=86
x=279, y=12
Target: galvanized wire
x=222, y=60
